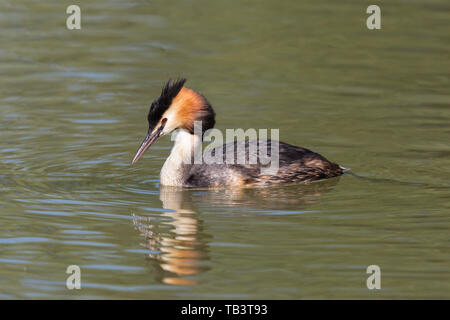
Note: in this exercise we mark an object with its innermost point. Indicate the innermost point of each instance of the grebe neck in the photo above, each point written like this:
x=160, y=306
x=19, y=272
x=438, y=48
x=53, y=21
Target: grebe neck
x=176, y=169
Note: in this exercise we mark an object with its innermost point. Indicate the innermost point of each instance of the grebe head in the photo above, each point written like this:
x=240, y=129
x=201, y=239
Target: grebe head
x=177, y=108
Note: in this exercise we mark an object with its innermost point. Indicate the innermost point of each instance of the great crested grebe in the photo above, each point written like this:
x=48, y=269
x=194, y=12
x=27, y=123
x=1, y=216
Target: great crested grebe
x=179, y=107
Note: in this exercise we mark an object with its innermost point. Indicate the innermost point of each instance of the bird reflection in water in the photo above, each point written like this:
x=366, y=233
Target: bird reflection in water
x=176, y=238
x=294, y=197
x=178, y=243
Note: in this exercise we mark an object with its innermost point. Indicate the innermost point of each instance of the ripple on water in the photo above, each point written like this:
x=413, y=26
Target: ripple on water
x=18, y=240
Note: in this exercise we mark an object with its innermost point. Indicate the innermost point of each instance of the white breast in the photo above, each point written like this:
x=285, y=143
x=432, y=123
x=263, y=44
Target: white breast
x=176, y=169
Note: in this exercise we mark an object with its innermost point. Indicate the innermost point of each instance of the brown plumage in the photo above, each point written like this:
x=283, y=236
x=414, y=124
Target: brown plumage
x=296, y=164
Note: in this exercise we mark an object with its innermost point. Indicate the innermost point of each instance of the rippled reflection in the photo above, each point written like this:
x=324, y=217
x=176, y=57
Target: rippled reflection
x=181, y=250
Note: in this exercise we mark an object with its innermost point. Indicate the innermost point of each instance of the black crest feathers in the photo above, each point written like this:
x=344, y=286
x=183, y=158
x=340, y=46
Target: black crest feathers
x=160, y=105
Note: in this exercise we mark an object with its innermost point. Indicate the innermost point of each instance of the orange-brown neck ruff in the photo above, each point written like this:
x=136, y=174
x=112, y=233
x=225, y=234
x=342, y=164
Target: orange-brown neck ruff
x=191, y=106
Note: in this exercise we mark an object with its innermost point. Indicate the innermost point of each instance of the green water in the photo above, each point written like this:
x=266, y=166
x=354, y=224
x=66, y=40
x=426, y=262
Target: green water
x=72, y=114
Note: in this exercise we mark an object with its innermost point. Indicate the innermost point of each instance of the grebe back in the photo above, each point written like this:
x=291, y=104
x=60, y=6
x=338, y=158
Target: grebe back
x=178, y=108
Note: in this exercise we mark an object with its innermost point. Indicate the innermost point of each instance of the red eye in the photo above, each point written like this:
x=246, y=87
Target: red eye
x=164, y=120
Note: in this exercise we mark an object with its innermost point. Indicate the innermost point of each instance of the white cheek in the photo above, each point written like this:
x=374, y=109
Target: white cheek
x=171, y=123
x=168, y=128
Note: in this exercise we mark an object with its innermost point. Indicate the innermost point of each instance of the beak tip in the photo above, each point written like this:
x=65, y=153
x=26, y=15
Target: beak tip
x=148, y=141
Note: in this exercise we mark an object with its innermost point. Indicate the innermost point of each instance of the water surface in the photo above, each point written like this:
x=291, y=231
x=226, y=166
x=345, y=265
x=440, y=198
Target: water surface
x=72, y=114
